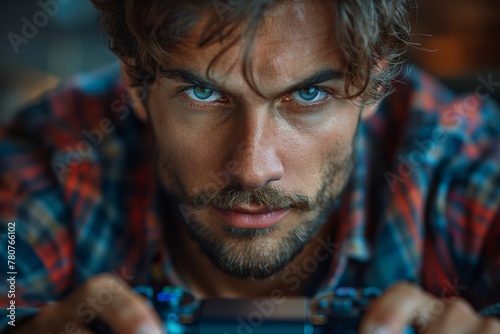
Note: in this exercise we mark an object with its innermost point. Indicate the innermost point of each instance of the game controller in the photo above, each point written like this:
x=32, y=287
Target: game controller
x=338, y=312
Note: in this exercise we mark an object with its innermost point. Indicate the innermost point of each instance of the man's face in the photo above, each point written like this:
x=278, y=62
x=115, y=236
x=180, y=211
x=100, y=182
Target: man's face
x=257, y=174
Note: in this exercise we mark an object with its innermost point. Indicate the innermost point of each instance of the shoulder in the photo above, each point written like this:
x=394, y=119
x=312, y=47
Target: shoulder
x=443, y=177
x=441, y=161
x=438, y=157
x=434, y=137
x=458, y=138
x=70, y=126
x=63, y=162
x=51, y=152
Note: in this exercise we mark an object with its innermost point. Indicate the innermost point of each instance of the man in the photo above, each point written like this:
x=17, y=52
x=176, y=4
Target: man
x=262, y=157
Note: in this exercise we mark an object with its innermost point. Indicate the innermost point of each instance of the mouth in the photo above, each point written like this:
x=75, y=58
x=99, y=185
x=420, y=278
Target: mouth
x=251, y=216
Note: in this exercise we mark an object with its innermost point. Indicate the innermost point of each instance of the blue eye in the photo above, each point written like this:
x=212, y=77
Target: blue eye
x=309, y=94
x=202, y=94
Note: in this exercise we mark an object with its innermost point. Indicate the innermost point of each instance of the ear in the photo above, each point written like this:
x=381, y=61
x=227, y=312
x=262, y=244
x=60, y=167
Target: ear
x=135, y=95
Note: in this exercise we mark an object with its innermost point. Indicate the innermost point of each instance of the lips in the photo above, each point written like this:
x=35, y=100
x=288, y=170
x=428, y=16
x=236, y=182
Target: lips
x=251, y=217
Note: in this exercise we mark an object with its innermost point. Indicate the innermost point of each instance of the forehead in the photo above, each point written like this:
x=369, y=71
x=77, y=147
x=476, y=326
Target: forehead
x=295, y=39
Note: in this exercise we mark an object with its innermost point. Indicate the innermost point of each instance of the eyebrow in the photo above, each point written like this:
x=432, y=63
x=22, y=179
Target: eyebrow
x=316, y=79
x=187, y=76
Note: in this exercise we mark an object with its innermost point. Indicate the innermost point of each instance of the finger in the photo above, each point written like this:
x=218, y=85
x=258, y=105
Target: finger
x=488, y=326
x=107, y=297
x=460, y=316
x=50, y=319
x=395, y=309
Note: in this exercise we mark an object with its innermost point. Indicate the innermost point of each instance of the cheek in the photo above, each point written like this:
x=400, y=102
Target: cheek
x=186, y=155
x=338, y=133
x=311, y=148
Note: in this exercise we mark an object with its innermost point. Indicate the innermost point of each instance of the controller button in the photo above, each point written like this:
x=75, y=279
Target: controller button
x=342, y=305
x=170, y=296
x=346, y=292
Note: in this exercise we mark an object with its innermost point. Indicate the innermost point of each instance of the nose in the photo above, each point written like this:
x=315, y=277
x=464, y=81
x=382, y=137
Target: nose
x=256, y=152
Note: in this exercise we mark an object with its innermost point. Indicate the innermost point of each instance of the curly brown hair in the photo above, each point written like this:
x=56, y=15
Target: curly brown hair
x=369, y=32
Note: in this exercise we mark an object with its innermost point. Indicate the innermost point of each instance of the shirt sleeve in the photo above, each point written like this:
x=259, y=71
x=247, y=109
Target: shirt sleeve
x=35, y=238
x=463, y=241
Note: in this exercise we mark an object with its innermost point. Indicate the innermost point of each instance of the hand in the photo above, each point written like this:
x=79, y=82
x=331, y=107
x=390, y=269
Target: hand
x=406, y=304
x=105, y=296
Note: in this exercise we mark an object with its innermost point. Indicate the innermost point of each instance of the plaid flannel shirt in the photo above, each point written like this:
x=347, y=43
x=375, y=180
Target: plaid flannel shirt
x=77, y=177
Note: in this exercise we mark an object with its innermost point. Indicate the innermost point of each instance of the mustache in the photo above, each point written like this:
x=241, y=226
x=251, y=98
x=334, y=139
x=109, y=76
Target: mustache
x=269, y=196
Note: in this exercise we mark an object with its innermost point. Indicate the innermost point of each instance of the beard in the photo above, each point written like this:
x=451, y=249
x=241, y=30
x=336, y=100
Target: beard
x=261, y=253
x=252, y=253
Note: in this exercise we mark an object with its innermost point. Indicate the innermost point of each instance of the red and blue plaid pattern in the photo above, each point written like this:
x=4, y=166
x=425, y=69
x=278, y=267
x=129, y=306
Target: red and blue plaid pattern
x=423, y=204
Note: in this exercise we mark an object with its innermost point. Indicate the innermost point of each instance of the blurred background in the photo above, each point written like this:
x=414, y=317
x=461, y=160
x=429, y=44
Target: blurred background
x=65, y=40
x=462, y=39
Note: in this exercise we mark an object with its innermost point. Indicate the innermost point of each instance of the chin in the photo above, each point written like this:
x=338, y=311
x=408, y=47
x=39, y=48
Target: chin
x=253, y=253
